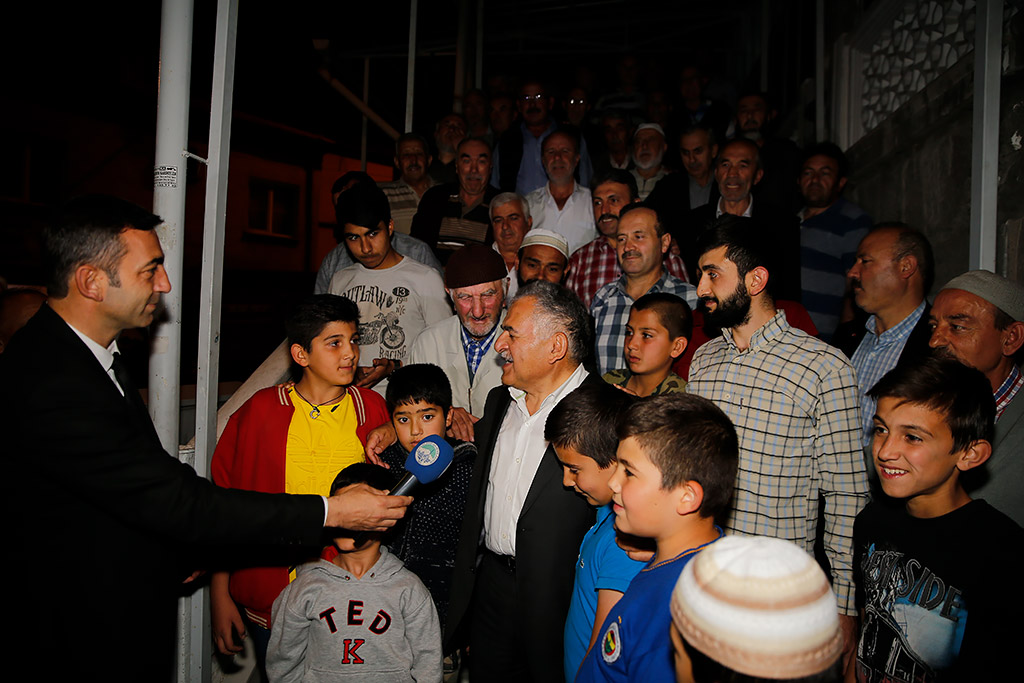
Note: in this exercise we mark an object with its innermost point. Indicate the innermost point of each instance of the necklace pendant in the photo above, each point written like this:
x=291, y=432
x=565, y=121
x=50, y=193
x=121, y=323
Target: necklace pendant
x=315, y=413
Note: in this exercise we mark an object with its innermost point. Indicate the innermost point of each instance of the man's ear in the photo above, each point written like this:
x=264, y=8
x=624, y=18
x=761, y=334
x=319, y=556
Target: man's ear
x=666, y=242
x=842, y=184
x=975, y=455
x=758, y=176
x=691, y=497
x=391, y=228
x=1013, y=338
x=529, y=223
x=559, y=347
x=91, y=282
x=300, y=355
x=448, y=419
x=756, y=280
x=907, y=266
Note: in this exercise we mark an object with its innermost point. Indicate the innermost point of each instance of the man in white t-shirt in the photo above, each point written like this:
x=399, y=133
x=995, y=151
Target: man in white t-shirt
x=397, y=296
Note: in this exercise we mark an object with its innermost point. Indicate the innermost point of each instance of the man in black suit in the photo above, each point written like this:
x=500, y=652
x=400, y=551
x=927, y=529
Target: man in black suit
x=522, y=529
x=103, y=524
x=738, y=170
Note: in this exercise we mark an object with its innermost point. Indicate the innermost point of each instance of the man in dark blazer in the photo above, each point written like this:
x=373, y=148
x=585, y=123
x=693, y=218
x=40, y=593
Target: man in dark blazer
x=737, y=171
x=104, y=525
x=890, y=277
x=522, y=529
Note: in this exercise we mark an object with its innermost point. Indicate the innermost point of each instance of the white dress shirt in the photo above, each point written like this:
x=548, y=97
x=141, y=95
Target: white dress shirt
x=517, y=456
x=574, y=221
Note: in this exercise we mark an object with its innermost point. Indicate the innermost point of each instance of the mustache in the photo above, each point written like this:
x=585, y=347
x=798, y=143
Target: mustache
x=630, y=254
x=855, y=283
x=505, y=356
x=705, y=300
x=607, y=216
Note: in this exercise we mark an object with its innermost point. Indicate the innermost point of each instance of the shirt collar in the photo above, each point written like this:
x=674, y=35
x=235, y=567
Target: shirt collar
x=658, y=286
x=1008, y=389
x=573, y=381
x=897, y=331
x=485, y=343
x=764, y=335
x=105, y=356
x=746, y=214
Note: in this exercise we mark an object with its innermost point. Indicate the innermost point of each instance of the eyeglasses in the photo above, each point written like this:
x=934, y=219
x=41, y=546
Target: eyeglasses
x=577, y=100
x=532, y=98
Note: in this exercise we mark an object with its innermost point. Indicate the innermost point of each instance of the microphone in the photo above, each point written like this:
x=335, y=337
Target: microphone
x=428, y=461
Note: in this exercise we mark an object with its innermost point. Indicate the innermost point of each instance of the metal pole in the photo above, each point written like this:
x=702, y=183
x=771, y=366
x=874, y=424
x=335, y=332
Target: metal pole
x=460, y=56
x=169, y=203
x=988, y=39
x=478, y=80
x=410, y=79
x=210, y=290
x=766, y=30
x=819, y=70
x=366, y=100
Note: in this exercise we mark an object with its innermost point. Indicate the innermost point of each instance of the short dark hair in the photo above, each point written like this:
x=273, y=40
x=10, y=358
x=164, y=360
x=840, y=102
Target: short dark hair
x=616, y=175
x=585, y=421
x=659, y=228
x=364, y=204
x=830, y=150
x=961, y=394
x=673, y=313
x=758, y=162
x=744, y=244
x=419, y=382
x=912, y=242
x=560, y=307
x=315, y=313
x=88, y=230
x=364, y=473
x=688, y=438
x=412, y=137
x=700, y=128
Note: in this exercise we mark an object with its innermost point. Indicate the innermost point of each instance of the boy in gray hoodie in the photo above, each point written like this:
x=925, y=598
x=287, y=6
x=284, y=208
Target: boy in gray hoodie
x=355, y=615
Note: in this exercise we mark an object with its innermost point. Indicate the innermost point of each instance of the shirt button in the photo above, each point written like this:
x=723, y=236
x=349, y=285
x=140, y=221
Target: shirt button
x=508, y=498
x=518, y=460
x=504, y=535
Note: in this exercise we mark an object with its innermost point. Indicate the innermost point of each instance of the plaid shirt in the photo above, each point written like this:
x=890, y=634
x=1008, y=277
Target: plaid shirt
x=876, y=355
x=475, y=349
x=594, y=265
x=610, y=309
x=1007, y=390
x=793, y=399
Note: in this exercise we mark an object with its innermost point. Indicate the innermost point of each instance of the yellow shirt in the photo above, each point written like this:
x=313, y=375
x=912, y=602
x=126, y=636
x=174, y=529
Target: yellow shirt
x=320, y=448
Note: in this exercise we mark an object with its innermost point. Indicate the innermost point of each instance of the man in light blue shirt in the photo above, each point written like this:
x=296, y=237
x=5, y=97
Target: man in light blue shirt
x=890, y=277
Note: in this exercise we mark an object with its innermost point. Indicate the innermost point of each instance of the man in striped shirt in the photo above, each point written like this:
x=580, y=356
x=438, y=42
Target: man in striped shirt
x=794, y=402
x=404, y=194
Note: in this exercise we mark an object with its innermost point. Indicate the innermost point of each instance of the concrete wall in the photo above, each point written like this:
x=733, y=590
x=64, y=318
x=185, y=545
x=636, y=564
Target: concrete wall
x=916, y=165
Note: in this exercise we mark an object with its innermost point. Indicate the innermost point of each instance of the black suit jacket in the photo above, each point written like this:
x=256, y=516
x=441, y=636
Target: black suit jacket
x=780, y=228
x=849, y=335
x=551, y=526
x=101, y=519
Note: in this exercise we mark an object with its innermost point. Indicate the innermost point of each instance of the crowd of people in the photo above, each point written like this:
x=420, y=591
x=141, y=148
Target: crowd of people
x=706, y=424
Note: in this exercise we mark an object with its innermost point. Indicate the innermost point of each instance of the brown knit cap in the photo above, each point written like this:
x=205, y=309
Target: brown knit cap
x=474, y=264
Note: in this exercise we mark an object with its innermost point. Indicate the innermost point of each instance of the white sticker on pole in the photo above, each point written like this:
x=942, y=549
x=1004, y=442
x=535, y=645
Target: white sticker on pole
x=165, y=176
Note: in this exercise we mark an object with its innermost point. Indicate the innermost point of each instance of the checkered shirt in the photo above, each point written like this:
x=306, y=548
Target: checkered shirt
x=793, y=400
x=475, y=349
x=610, y=309
x=876, y=355
x=595, y=264
x=1007, y=390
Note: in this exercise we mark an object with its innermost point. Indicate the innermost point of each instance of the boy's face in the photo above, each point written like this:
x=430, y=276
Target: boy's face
x=416, y=421
x=642, y=507
x=913, y=451
x=648, y=347
x=585, y=476
x=332, y=356
x=369, y=246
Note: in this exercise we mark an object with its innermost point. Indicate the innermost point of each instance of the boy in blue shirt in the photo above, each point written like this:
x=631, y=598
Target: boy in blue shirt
x=677, y=460
x=581, y=429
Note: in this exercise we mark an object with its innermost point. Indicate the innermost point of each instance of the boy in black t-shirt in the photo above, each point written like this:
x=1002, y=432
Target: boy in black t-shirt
x=932, y=565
